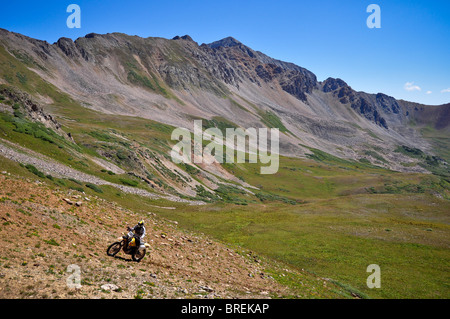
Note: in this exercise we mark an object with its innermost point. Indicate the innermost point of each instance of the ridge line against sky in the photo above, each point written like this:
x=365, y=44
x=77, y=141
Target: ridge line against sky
x=407, y=58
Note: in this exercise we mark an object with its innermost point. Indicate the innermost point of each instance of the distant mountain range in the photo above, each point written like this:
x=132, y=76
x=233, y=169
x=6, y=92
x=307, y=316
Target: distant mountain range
x=175, y=81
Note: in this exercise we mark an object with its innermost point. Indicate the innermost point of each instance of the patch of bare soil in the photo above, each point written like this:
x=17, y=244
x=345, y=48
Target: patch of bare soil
x=43, y=231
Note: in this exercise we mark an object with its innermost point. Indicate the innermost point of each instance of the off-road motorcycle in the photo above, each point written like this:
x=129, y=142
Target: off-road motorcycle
x=128, y=244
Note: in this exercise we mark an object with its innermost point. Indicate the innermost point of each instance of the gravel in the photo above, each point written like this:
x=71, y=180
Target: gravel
x=49, y=166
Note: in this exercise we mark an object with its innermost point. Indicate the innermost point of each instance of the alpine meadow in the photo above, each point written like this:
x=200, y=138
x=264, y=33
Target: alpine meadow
x=288, y=187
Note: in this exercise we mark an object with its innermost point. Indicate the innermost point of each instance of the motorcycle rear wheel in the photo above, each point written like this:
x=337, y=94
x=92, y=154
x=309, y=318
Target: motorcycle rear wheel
x=138, y=255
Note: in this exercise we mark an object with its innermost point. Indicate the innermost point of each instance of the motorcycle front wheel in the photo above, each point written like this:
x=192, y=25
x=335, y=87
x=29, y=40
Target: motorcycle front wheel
x=114, y=248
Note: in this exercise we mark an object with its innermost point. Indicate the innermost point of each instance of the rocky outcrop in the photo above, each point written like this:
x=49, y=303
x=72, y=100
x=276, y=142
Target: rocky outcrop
x=255, y=66
x=68, y=47
x=23, y=103
x=332, y=84
x=184, y=37
x=387, y=103
x=371, y=108
x=228, y=42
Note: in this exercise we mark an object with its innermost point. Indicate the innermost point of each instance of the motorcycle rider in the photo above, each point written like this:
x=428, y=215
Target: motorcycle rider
x=139, y=232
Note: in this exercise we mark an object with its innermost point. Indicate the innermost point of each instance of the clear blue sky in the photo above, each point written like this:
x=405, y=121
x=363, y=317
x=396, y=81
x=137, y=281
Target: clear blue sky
x=408, y=58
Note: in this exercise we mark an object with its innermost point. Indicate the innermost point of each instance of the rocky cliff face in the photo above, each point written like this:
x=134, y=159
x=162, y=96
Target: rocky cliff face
x=173, y=81
x=373, y=107
x=257, y=67
x=23, y=105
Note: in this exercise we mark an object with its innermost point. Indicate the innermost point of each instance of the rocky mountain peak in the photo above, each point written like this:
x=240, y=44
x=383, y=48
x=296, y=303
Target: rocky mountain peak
x=332, y=84
x=227, y=42
x=68, y=47
x=184, y=37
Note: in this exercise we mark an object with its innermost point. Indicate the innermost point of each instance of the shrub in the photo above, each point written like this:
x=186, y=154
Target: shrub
x=129, y=182
x=121, y=155
x=37, y=130
x=18, y=114
x=107, y=171
x=76, y=188
x=22, y=78
x=273, y=197
x=191, y=170
x=34, y=170
x=205, y=195
x=75, y=181
x=364, y=161
x=94, y=187
x=138, y=79
x=51, y=242
x=61, y=182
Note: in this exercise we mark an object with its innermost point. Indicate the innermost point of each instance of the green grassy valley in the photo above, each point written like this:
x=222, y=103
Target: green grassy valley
x=99, y=135
x=323, y=215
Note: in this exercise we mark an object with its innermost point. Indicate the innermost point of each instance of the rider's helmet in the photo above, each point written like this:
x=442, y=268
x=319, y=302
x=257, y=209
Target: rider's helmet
x=141, y=223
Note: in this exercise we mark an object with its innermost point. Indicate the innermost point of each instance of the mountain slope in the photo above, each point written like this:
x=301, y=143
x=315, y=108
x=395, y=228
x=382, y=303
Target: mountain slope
x=47, y=232
x=93, y=118
x=174, y=81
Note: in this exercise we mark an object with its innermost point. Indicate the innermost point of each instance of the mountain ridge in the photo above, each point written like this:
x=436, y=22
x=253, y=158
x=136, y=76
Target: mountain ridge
x=172, y=81
x=85, y=149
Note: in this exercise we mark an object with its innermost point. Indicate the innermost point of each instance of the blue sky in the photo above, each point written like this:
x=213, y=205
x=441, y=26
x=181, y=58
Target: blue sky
x=408, y=57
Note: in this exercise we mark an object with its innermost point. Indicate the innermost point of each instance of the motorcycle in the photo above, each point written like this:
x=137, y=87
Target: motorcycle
x=128, y=244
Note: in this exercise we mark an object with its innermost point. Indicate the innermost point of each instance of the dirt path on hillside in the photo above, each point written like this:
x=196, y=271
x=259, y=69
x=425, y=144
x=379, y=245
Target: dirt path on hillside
x=47, y=165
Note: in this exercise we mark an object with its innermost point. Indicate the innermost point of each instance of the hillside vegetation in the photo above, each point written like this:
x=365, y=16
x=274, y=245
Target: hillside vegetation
x=363, y=178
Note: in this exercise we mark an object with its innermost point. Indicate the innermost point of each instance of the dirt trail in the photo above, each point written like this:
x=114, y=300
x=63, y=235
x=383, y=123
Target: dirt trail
x=47, y=165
